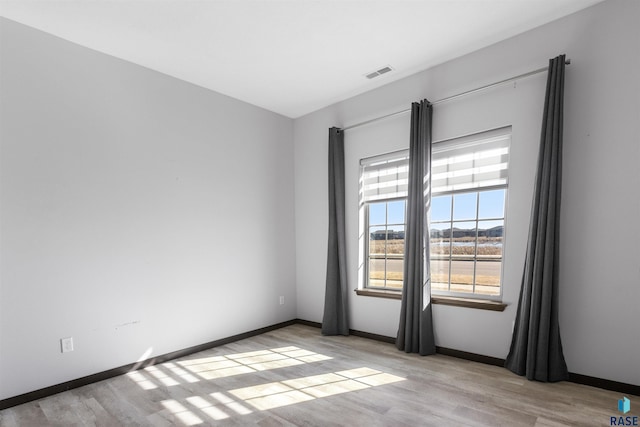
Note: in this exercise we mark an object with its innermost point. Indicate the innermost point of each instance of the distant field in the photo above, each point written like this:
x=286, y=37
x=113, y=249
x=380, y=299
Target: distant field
x=486, y=246
x=487, y=271
x=455, y=278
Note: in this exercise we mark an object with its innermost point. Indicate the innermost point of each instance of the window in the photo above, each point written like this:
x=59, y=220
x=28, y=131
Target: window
x=467, y=215
x=467, y=231
x=383, y=193
x=468, y=196
x=386, y=244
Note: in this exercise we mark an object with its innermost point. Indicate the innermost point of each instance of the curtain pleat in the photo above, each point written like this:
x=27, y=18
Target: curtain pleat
x=536, y=348
x=415, y=331
x=335, y=319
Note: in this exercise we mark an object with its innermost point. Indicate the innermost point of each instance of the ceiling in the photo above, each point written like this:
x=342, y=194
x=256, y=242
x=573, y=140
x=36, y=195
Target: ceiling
x=288, y=56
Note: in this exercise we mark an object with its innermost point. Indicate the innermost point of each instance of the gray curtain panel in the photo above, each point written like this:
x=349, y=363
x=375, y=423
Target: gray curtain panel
x=334, y=320
x=415, y=332
x=536, y=349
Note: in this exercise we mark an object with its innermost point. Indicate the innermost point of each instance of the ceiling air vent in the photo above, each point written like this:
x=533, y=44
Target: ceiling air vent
x=379, y=72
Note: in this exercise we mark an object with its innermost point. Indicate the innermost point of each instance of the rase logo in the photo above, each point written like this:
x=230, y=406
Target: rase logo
x=624, y=406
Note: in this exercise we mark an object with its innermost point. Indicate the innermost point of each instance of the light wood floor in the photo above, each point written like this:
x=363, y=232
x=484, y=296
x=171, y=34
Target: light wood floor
x=295, y=377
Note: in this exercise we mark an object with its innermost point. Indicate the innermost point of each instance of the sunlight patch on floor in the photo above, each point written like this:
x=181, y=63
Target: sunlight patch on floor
x=231, y=404
x=161, y=376
x=251, y=361
x=242, y=401
x=213, y=367
x=187, y=417
x=177, y=371
x=142, y=381
x=282, y=393
x=212, y=411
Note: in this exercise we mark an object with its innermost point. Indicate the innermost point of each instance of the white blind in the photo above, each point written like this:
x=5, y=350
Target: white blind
x=385, y=177
x=479, y=160
x=474, y=161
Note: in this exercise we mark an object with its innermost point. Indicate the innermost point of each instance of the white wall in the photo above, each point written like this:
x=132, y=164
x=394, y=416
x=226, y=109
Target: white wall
x=600, y=272
x=137, y=212
x=129, y=221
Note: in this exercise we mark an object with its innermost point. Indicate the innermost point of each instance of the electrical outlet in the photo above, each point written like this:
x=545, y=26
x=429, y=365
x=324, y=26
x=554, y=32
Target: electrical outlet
x=281, y=300
x=66, y=344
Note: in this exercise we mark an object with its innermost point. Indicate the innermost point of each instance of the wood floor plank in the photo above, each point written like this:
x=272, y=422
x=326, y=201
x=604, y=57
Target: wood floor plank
x=7, y=418
x=94, y=414
x=59, y=409
x=294, y=376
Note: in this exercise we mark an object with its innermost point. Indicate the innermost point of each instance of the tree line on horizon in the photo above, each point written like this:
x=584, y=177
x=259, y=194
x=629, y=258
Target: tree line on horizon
x=455, y=232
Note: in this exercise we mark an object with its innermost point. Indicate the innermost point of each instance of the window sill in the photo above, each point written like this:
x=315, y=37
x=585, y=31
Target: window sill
x=481, y=304
x=439, y=299
x=379, y=293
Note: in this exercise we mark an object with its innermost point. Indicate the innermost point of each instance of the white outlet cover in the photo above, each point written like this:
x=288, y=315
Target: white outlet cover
x=66, y=344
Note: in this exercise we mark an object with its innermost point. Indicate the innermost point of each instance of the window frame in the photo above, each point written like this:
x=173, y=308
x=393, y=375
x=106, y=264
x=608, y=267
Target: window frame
x=477, y=191
x=375, y=183
x=463, y=142
x=367, y=240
